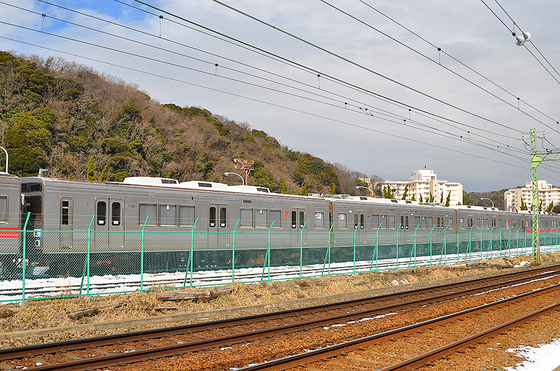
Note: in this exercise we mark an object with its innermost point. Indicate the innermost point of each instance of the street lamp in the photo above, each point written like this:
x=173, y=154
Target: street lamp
x=6, y=152
x=483, y=198
x=242, y=180
x=358, y=187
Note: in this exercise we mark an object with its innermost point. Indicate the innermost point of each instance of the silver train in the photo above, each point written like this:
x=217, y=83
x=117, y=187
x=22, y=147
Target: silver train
x=211, y=219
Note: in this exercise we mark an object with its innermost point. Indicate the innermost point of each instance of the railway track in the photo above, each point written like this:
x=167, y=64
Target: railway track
x=365, y=351
x=92, y=353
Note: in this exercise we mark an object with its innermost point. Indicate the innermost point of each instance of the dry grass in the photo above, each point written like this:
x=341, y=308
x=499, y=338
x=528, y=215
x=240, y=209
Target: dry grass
x=55, y=312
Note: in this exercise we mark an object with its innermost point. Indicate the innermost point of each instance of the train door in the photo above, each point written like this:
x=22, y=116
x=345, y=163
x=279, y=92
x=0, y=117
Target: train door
x=218, y=225
x=297, y=224
x=359, y=225
x=66, y=222
x=109, y=218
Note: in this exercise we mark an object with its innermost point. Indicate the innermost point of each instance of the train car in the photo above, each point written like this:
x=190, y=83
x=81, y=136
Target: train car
x=10, y=206
x=159, y=224
x=382, y=228
x=202, y=216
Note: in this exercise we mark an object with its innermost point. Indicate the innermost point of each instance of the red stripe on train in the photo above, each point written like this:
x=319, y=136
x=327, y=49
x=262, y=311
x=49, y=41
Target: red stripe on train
x=7, y=233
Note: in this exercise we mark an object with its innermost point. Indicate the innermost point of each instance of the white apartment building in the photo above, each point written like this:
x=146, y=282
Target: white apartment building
x=547, y=194
x=423, y=184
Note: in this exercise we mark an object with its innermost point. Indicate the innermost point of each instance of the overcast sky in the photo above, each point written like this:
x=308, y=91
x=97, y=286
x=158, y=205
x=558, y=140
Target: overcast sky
x=356, y=82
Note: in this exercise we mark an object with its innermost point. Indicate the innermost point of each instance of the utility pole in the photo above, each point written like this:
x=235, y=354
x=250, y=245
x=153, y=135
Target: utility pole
x=244, y=165
x=536, y=159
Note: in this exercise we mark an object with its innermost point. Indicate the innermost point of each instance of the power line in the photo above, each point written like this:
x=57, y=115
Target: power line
x=470, y=154
x=382, y=112
x=359, y=66
x=439, y=49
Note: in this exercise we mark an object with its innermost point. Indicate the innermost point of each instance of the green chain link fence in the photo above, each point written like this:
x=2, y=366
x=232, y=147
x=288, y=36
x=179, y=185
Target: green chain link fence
x=85, y=263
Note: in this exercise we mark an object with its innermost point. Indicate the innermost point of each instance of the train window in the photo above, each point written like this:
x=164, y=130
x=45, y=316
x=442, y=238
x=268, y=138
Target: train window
x=342, y=220
x=383, y=221
x=260, y=218
x=147, y=211
x=301, y=218
x=101, y=212
x=294, y=219
x=356, y=220
x=276, y=217
x=391, y=222
x=64, y=212
x=186, y=216
x=3, y=209
x=212, y=216
x=416, y=221
x=223, y=217
x=246, y=218
x=168, y=215
x=362, y=221
x=319, y=219
x=31, y=187
x=430, y=222
x=450, y=223
x=375, y=221
x=116, y=213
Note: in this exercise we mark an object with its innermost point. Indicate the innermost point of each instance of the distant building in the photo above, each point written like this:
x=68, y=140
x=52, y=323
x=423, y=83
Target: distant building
x=547, y=194
x=423, y=184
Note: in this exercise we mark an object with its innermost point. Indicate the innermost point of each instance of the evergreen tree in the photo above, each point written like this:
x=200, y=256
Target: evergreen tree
x=304, y=188
x=333, y=190
x=405, y=193
x=103, y=176
x=283, y=191
x=448, y=199
x=90, y=171
x=523, y=205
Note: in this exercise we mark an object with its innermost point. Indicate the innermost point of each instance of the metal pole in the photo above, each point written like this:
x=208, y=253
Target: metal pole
x=142, y=257
x=24, y=255
x=233, y=254
x=536, y=159
x=6, y=152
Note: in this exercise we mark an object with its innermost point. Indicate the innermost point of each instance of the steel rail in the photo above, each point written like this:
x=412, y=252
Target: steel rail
x=32, y=350
x=337, y=349
x=451, y=348
x=170, y=350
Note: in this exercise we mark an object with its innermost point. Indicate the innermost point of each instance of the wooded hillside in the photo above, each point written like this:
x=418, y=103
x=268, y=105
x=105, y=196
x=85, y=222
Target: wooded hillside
x=76, y=123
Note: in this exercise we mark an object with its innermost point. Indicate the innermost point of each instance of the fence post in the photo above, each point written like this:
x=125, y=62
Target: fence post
x=376, y=252
x=191, y=255
x=233, y=253
x=355, y=230
x=491, y=244
x=397, y=244
x=301, y=250
x=269, y=251
x=86, y=261
x=413, y=252
x=24, y=256
x=431, y=243
x=470, y=243
x=142, y=256
x=444, y=248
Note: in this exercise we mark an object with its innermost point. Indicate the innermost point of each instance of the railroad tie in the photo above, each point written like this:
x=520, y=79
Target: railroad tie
x=72, y=356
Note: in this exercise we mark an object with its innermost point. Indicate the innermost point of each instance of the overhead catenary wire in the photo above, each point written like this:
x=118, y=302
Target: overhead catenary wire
x=387, y=99
x=409, y=121
x=532, y=43
x=415, y=140
x=515, y=96
x=358, y=65
x=524, y=45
